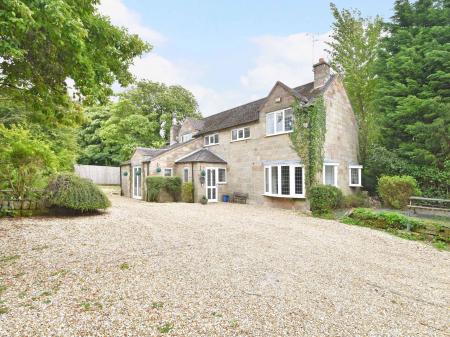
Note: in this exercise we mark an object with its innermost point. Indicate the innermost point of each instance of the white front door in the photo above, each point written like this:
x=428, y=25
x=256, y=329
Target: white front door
x=211, y=184
x=137, y=182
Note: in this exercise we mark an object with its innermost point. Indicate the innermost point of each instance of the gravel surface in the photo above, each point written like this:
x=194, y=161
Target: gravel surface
x=144, y=269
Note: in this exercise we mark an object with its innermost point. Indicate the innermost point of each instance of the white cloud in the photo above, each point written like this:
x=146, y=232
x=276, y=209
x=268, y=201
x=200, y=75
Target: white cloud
x=121, y=15
x=288, y=59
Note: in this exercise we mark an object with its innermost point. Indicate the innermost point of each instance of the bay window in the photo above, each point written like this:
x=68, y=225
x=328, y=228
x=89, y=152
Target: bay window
x=286, y=181
x=354, y=173
x=278, y=122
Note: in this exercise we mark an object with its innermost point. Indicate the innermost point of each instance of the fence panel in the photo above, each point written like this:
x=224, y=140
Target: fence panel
x=102, y=175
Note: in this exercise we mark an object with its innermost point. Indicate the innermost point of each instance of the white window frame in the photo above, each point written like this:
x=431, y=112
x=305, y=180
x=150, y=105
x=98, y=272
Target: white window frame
x=292, y=194
x=164, y=171
x=183, y=137
x=335, y=169
x=184, y=175
x=359, y=168
x=237, y=134
x=275, y=133
x=211, y=137
x=218, y=181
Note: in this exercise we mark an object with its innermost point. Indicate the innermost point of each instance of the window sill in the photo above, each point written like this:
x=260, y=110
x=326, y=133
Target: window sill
x=279, y=133
x=352, y=185
x=239, y=140
x=211, y=145
x=221, y=183
x=284, y=196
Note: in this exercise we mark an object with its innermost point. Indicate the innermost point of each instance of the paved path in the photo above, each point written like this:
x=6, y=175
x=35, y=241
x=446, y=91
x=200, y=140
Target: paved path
x=145, y=269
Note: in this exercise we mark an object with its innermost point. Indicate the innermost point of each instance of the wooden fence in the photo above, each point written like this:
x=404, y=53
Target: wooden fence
x=101, y=175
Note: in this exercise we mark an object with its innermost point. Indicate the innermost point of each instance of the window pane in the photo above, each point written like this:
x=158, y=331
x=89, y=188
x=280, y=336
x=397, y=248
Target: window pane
x=222, y=178
x=354, y=176
x=234, y=135
x=216, y=139
x=329, y=175
x=186, y=175
x=207, y=140
x=298, y=180
x=269, y=124
x=288, y=120
x=285, y=190
x=167, y=172
x=274, y=179
x=241, y=134
x=267, y=178
x=247, y=132
x=279, y=122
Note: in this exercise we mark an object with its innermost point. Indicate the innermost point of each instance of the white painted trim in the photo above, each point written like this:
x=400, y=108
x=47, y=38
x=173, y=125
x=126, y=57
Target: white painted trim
x=237, y=131
x=275, y=123
x=359, y=168
x=216, y=186
x=133, y=194
x=292, y=194
x=209, y=137
x=167, y=168
x=335, y=172
x=184, y=174
x=221, y=182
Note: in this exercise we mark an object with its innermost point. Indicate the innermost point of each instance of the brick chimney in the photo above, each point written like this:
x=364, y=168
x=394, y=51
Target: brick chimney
x=174, y=130
x=321, y=73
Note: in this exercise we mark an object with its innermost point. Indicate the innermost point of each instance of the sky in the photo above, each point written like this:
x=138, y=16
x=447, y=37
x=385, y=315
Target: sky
x=228, y=53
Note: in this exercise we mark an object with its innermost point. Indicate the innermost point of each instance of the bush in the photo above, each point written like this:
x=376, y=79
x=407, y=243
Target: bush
x=324, y=198
x=187, y=192
x=358, y=199
x=395, y=191
x=203, y=200
x=68, y=191
x=155, y=184
x=383, y=220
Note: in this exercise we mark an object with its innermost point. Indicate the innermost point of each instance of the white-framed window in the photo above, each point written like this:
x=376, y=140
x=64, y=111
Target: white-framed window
x=185, y=175
x=186, y=137
x=354, y=175
x=240, y=134
x=279, y=122
x=330, y=174
x=167, y=172
x=286, y=181
x=222, y=176
x=212, y=139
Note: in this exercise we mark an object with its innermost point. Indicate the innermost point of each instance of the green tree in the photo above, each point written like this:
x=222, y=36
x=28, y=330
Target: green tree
x=43, y=43
x=413, y=95
x=354, y=48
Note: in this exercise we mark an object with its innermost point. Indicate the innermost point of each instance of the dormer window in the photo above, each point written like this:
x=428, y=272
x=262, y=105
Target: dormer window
x=186, y=137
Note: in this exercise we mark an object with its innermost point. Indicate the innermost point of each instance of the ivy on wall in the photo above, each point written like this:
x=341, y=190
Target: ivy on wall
x=308, y=137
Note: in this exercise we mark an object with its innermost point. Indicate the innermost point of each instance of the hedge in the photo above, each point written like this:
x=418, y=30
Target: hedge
x=68, y=191
x=395, y=191
x=187, y=192
x=155, y=184
x=324, y=199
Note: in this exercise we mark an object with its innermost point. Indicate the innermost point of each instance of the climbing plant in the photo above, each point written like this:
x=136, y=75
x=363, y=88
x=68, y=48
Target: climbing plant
x=308, y=137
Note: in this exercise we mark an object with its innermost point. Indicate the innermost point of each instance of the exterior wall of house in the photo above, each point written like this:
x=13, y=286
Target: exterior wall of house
x=341, y=140
x=199, y=187
x=126, y=180
x=186, y=128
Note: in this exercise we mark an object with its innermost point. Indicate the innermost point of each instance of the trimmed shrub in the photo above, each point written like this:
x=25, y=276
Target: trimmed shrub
x=358, y=199
x=203, y=200
x=68, y=191
x=324, y=199
x=155, y=184
x=384, y=220
x=187, y=192
x=395, y=191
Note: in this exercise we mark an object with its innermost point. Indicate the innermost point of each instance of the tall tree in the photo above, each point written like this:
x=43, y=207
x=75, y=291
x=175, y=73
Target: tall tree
x=414, y=94
x=353, y=53
x=43, y=43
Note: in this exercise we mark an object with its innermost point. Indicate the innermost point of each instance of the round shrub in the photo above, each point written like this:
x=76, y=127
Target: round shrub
x=324, y=198
x=395, y=191
x=68, y=191
x=187, y=191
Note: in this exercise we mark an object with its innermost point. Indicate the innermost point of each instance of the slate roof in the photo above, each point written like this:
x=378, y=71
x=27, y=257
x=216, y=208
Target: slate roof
x=201, y=156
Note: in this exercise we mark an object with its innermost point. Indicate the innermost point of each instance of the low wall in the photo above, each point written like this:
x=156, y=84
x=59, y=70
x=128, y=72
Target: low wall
x=100, y=175
x=22, y=207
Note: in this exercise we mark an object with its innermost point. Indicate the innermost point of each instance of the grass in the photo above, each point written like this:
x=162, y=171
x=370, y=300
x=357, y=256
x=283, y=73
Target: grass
x=40, y=247
x=60, y=272
x=9, y=258
x=166, y=328
x=3, y=310
x=2, y=288
x=87, y=306
x=157, y=305
x=124, y=266
x=234, y=323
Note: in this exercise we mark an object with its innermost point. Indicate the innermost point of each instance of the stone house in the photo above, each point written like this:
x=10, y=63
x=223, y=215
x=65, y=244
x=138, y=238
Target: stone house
x=247, y=149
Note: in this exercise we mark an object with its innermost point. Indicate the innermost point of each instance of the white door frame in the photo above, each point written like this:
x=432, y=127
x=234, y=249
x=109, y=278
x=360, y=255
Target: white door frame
x=212, y=186
x=136, y=194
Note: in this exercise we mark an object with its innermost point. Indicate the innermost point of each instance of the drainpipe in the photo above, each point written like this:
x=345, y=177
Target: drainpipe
x=192, y=178
x=120, y=179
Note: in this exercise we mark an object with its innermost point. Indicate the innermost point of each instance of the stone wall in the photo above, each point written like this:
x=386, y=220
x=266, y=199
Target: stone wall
x=22, y=207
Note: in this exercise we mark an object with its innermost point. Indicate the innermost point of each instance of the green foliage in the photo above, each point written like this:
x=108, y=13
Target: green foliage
x=69, y=191
x=395, y=191
x=354, y=48
x=187, y=192
x=46, y=42
x=155, y=184
x=324, y=199
x=25, y=161
x=383, y=220
x=358, y=199
x=413, y=96
x=308, y=137
x=203, y=200
x=111, y=133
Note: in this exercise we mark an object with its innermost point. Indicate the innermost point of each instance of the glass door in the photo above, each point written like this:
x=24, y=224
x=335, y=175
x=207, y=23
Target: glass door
x=211, y=184
x=137, y=182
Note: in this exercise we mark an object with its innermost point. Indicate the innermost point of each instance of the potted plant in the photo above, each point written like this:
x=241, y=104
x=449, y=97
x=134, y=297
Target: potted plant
x=158, y=169
x=203, y=200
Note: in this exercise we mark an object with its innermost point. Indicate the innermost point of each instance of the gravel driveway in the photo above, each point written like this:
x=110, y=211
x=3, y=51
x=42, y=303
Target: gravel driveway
x=145, y=269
